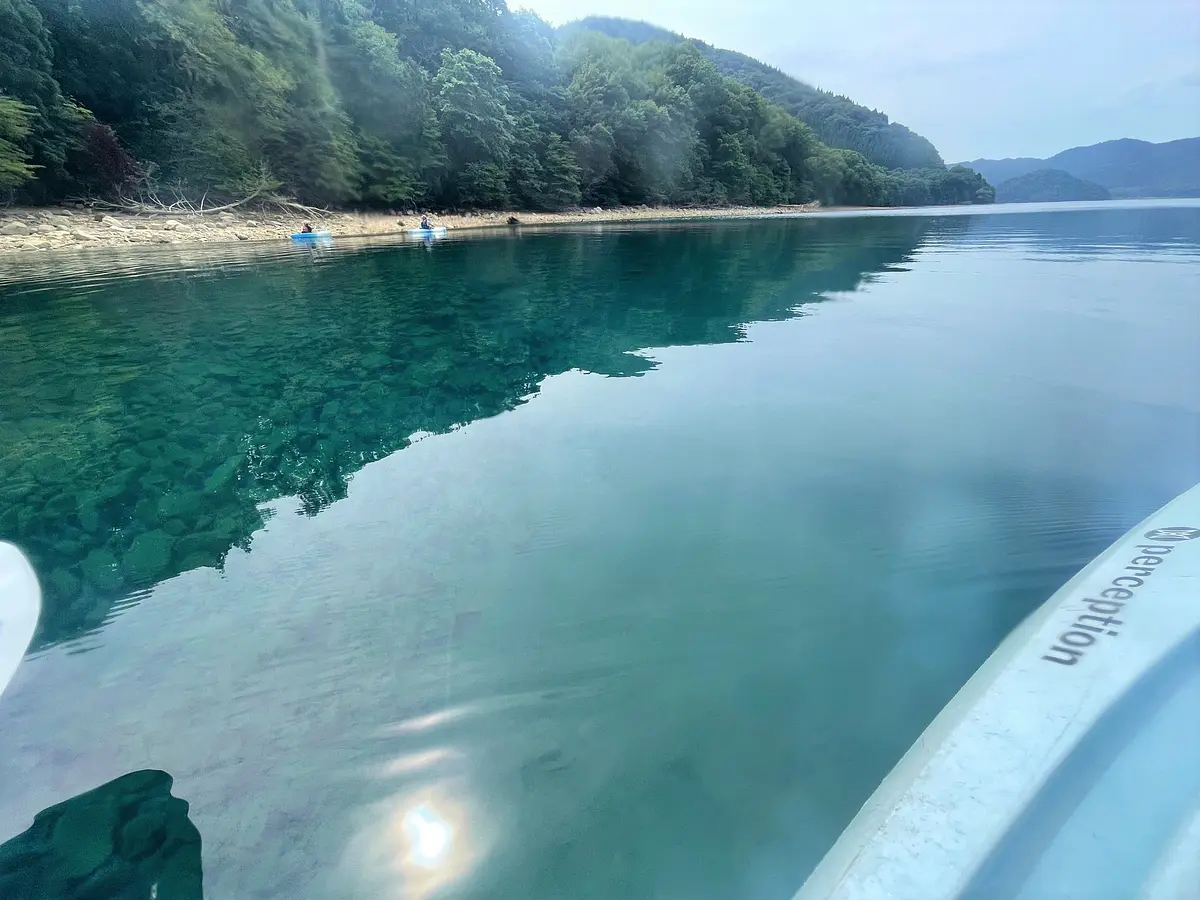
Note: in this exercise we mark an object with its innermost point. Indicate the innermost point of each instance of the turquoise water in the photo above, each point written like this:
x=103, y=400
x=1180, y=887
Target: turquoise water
x=615, y=562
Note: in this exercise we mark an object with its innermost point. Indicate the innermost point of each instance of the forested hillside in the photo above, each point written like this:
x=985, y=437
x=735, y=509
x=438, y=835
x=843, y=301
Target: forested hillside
x=836, y=120
x=396, y=104
x=1127, y=168
x=1048, y=185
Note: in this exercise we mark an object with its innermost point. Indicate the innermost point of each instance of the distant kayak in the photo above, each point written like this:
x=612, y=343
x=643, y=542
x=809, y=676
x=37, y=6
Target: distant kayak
x=301, y=237
x=425, y=232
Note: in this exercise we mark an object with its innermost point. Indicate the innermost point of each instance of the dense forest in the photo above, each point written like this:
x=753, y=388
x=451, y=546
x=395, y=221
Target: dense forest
x=1048, y=185
x=404, y=103
x=836, y=120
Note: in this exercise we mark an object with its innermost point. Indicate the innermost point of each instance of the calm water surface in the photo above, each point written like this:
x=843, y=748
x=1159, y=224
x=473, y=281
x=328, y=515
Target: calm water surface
x=609, y=563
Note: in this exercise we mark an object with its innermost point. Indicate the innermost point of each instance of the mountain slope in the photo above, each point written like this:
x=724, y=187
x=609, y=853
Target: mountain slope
x=1046, y=185
x=1126, y=167
x=836, y=120
x=458, y=104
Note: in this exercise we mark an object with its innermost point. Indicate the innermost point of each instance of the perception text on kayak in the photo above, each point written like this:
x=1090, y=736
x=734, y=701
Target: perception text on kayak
x=1100, y=621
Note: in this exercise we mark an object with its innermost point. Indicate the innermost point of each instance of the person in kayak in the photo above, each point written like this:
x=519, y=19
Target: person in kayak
x=426, y=225
x=307, y=229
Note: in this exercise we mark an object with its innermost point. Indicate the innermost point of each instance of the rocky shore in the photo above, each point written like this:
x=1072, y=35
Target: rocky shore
x=60, y=228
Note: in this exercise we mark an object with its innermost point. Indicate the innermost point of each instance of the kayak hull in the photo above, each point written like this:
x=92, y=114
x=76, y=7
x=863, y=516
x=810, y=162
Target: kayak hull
x=1069, y=765
x=20, y=606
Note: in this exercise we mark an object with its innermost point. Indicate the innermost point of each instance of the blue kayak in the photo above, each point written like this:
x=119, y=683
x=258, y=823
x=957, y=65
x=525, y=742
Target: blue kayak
x=427, y=232
x=301, y=237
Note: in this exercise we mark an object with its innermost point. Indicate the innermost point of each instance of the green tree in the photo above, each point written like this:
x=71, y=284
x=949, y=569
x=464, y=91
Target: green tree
x=15, y=169
x=387, y=177
x=526, y=174
x=233, y=107
x=562, y=175
x=593, y=147
x=476, y=128
x=387, y=99
x=311, y=146
x=471, y=98
x=482, y=185
x=26, y=75
x=115, y=61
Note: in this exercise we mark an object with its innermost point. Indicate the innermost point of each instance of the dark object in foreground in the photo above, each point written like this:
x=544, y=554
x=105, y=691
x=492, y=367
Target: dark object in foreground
x=128, y=839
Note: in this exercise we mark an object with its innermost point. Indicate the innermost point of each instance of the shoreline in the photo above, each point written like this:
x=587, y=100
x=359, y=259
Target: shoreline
x=61, y=228
x=77, y=231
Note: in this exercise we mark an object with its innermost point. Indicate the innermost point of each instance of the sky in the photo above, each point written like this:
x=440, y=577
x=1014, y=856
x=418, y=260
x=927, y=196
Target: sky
x=979, y=78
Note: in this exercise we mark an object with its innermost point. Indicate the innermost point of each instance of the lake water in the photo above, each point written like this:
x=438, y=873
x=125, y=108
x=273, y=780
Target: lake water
x=598, y=563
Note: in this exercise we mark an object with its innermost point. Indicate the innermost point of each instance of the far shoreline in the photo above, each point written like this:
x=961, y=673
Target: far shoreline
x=65, y=228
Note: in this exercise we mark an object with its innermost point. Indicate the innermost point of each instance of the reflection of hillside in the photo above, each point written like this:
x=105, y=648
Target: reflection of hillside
x=146, y=420
x=127, y=839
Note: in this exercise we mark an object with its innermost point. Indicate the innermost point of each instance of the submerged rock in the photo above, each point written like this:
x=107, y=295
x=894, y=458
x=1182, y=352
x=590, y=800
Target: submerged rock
x=202, y=544
x=199, y=561
x=131, y=459
x=225, y=474
x=64, y=585
x=101, y=569
x=112, y=487
x=181, y=505
x=89, y=515
x=149, y=556
x=60, y=506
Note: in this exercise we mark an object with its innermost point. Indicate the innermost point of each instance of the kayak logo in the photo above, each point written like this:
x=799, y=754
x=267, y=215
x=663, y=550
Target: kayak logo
x=1171, y=535
x=1100, y=621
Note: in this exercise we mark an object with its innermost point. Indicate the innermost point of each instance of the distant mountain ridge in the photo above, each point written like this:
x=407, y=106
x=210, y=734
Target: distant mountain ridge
x=1048, y=185
x=1126, y=167
x=838, y=121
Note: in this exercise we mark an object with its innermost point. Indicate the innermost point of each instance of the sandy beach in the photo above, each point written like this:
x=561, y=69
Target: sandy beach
x=64, y=228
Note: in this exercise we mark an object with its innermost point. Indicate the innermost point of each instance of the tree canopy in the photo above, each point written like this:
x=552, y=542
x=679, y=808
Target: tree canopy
x=838, y=121
x=391, y=103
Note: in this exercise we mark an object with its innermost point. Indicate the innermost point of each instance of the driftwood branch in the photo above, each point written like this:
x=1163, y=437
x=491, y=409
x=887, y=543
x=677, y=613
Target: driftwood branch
x=157, y=208
x=144, y=198
x=153, y=206
x=288, y=205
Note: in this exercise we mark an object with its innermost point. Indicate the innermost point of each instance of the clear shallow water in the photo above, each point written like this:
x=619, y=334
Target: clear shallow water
x=608, y=563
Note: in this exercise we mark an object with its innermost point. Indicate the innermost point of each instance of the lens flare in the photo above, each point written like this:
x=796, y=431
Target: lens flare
x=429, y=835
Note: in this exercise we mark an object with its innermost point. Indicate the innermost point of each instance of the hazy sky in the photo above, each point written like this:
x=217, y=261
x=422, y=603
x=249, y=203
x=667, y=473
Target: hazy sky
x=979, y=78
